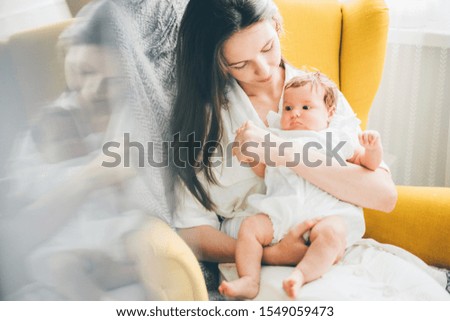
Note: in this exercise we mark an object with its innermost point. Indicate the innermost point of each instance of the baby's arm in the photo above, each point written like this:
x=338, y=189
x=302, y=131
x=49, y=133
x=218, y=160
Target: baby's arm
x=370, y=154
x=258, y=168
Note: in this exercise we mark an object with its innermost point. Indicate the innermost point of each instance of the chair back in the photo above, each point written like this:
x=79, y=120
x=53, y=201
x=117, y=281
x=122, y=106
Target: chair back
x=345, y=40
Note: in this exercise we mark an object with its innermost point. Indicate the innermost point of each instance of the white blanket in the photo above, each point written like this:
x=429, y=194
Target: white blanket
x=368, y=271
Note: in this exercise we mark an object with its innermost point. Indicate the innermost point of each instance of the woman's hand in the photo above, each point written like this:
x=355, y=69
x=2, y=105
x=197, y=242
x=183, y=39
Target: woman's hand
x=256, y=145
x=291, y=249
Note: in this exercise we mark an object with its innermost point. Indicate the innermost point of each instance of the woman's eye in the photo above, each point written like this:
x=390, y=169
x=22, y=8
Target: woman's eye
x=268, y=49
x=238, y=67
x=288, y=108
x=306, y=107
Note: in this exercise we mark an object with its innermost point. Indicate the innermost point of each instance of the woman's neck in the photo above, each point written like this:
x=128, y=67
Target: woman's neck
x=267, y=98
x=273, y=89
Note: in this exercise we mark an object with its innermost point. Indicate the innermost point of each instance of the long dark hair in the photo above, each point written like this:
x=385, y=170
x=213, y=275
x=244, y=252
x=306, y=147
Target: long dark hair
x=201, y=83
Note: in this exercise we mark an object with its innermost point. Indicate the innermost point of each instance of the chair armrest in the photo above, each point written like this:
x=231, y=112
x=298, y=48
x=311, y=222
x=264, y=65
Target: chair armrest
x=420, y=223
x=167, y=267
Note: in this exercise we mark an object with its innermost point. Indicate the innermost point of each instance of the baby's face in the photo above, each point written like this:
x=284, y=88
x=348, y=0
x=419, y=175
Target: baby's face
x=305, y=109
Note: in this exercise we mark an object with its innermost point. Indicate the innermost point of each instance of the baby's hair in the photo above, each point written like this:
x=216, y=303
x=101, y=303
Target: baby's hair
x=316, y=79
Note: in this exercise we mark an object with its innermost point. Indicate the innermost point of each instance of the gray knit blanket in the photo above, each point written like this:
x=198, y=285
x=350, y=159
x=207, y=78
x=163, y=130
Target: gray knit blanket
x=144, y=33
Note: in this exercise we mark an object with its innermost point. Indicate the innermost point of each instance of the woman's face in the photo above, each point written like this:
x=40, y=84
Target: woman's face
x=253, y=54
x=92, y=73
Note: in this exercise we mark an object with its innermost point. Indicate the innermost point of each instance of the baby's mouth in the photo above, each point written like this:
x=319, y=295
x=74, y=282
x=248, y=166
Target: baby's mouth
x=297, y=125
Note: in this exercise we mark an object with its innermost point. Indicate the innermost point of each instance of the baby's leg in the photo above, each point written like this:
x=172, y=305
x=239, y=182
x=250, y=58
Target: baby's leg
x=327, y=247
x=255, y=232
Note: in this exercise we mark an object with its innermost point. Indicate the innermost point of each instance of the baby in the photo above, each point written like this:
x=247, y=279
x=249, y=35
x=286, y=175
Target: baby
x=309, y=104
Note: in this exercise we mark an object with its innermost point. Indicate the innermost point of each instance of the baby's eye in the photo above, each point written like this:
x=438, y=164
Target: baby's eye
x=306, y=107
x=288, y=108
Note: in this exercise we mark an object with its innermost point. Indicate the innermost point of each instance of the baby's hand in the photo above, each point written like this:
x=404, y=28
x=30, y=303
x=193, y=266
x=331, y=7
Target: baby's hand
x=370, y=139
x=245, y=135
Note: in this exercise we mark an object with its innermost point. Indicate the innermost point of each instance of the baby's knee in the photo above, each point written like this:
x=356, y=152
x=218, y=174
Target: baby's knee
x=247, y=227
x=257, y=226
x=331, y=234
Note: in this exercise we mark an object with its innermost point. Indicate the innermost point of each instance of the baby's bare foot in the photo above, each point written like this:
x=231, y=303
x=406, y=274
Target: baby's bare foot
x=293, y=283
x=242, y=288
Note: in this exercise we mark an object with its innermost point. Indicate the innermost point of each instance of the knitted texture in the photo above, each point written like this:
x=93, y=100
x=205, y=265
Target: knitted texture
x=144, y=34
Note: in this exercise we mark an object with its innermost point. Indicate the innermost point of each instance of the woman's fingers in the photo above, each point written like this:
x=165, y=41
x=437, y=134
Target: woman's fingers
x=303, y=227
x=290, y=250
x=293, y=246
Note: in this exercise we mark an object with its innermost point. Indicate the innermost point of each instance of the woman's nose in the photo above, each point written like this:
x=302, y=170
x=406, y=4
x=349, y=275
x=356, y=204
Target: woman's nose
x=262, y=67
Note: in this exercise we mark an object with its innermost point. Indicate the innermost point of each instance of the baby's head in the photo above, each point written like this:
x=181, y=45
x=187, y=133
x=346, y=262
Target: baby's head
x=309, y=102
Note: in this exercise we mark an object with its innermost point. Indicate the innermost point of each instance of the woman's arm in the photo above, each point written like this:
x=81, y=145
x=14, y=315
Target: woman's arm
x=351, y=183
x=210, y=244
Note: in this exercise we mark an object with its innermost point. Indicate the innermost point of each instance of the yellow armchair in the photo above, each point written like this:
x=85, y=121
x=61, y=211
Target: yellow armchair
x=347, y=41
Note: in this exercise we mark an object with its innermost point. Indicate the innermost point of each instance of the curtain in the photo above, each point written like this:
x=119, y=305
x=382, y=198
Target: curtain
x=412, y=107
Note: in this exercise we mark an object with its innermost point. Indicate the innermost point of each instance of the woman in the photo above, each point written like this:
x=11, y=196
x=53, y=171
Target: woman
x=230, y=70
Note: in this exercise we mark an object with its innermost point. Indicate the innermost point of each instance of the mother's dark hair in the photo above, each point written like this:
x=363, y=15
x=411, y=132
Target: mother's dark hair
x=201, y=83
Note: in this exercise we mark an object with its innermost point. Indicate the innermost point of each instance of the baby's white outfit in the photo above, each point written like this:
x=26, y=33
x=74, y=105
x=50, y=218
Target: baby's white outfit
x=238, y=182
x=290, y=199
